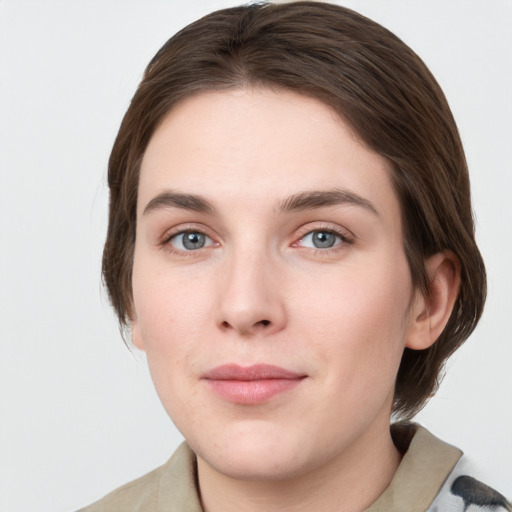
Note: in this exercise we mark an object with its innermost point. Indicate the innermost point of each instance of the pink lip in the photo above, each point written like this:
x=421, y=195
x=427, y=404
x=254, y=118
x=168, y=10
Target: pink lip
x=251, y=385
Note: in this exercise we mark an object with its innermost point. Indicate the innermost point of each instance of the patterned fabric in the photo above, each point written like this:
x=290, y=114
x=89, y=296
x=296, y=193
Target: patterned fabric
x=462, y=492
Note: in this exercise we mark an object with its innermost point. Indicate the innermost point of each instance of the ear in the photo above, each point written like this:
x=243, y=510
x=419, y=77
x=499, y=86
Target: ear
x=136, y=335
x=430, y=314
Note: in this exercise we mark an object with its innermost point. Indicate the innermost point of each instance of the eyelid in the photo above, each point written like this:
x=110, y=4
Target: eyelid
x=346, y=238
x=344, y=233
x=184, y=228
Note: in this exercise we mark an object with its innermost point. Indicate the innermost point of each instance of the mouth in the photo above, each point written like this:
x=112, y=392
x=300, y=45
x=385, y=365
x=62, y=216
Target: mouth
x=251, y=385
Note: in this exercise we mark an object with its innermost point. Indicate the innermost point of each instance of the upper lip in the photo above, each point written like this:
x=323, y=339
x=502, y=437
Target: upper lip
x=249, y=373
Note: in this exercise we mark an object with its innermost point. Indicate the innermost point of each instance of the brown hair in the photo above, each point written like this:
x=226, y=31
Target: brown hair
x=377, y=84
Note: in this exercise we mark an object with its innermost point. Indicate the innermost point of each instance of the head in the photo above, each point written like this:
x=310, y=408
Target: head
x=378, y=87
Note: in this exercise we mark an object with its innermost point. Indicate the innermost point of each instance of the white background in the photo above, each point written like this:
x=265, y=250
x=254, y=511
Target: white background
x=78, y=414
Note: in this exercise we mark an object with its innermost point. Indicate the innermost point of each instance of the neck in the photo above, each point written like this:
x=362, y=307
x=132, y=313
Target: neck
x=351, y=482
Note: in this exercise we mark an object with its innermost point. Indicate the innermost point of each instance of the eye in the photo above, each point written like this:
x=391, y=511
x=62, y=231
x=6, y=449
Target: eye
x=321, y=239
x=190, y=241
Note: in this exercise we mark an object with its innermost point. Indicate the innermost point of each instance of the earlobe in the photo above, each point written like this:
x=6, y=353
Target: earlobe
x=430, y=314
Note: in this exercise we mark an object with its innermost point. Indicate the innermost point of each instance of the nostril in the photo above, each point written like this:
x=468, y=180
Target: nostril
x=245, y=327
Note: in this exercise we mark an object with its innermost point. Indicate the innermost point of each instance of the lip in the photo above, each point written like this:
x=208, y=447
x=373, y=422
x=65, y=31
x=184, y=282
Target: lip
x=251, y=385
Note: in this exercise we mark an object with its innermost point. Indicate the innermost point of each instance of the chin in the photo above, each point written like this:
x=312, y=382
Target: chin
x=261, y=466
x=255, y=455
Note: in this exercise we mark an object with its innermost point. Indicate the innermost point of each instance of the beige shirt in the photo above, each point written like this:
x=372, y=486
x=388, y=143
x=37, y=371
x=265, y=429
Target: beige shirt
x=426, y=464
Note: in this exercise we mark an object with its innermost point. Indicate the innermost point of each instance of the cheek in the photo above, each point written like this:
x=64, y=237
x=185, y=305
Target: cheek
x=169, y=326
x=171, y=316
x=169, y=304
x=366, y=300
x=359, y=323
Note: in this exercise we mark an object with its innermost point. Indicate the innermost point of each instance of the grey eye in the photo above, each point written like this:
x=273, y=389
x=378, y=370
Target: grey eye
x=321, y=240
x=190, y=241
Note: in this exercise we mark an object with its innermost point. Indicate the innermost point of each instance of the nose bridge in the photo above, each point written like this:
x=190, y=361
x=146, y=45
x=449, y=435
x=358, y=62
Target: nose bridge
x=249, y=296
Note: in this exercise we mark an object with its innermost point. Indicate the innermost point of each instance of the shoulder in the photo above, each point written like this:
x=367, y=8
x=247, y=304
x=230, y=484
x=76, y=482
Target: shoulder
x=174, y=483
x=140, y=494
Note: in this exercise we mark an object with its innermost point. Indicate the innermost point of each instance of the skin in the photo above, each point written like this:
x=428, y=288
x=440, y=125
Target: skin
x=259, y=291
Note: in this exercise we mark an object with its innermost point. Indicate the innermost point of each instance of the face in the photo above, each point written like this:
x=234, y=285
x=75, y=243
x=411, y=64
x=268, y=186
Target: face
x=271, y=291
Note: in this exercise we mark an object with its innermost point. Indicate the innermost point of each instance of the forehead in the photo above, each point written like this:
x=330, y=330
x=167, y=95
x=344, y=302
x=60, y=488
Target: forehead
x=244, y=145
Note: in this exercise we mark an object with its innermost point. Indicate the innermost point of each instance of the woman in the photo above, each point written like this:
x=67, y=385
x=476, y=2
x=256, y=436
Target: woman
x=291, y=243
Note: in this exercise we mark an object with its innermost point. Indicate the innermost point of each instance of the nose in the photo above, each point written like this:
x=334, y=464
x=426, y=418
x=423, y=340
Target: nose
x=250, y=300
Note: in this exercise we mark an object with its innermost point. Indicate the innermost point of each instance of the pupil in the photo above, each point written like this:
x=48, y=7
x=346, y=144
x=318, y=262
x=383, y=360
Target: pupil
x=193, y=240
x=323, y=239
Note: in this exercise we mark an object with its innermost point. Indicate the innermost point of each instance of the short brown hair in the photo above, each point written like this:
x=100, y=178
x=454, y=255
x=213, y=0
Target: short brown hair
x=377, y=84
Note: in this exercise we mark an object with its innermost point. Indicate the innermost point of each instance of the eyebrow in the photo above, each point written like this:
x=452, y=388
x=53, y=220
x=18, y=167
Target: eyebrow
x=311, y=200
x=172, y=199
x=301, y=201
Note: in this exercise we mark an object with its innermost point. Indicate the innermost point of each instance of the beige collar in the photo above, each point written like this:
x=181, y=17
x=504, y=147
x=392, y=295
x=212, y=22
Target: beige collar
x=426, y=464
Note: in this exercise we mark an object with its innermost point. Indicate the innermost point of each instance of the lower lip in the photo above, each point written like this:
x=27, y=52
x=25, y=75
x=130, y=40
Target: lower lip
x=252, y=392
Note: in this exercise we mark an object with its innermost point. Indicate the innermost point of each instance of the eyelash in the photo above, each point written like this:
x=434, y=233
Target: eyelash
x=168, y=237
x=344, y=238
x=307, y=230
